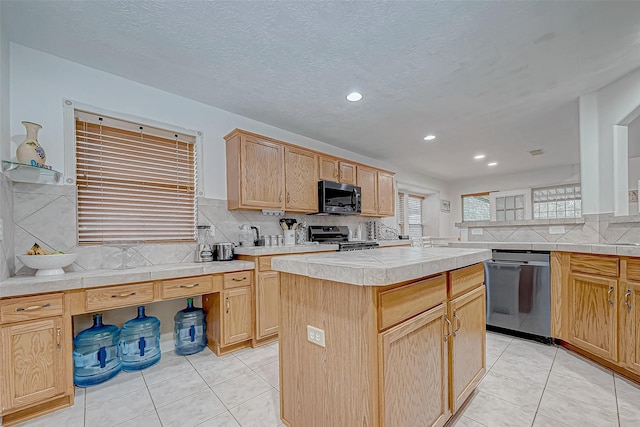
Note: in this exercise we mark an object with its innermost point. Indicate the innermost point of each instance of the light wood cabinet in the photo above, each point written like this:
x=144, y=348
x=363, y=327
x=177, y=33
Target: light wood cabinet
x=264, y=173
x=467, y=344
x=347, y=173
x=301, y=180
x=593, y=314
x=255, y=173
x=267, y=304
x=33, y=368
x=367, y=180
x=386, y=194
x=377, y=192
x=328, y=168
x=630, y=327
x=236, y=319
x=413, y=368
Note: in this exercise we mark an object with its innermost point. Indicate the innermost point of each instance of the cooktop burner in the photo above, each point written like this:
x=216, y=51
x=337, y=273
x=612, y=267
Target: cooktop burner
x=338, y=235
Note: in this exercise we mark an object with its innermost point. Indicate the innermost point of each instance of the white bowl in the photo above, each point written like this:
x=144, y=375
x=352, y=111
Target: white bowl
x=48, y=265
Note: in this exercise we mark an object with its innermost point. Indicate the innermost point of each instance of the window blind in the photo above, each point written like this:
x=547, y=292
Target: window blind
x=400, y=213
x=414, y=215
x=135, y=183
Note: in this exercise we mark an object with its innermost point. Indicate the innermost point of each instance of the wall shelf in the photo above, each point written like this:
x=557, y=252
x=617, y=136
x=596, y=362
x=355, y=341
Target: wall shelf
x=22, y=172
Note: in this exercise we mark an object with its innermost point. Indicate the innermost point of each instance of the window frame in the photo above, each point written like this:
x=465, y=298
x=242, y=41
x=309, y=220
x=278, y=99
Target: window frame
x=69, y=108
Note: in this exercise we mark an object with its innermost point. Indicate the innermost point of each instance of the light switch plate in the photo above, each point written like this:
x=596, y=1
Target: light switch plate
x=476, y=231
x=556, y=229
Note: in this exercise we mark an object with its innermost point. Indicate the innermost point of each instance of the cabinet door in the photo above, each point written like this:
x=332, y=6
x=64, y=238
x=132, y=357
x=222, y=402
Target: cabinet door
x=386, y=195
x=630, y=326
x=301, y=180
x=33, y=362
x=328, y=169
x=236, y=318
x=262, y=179
x=267, y=304
x=368, y=182
x=347, y=173
x=593, y=314
x=413, y=372
x=467, y=345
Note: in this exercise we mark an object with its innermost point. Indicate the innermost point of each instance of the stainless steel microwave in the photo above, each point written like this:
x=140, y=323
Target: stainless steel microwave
x=338, y=199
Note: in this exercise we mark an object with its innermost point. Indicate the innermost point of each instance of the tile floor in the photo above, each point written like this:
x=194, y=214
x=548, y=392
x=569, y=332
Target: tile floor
x=527, y=384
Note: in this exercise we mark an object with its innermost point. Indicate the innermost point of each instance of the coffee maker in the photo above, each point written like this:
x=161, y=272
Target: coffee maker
x=204, y=251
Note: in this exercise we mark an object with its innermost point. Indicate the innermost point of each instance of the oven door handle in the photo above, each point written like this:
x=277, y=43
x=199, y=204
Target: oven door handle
x=518, y=264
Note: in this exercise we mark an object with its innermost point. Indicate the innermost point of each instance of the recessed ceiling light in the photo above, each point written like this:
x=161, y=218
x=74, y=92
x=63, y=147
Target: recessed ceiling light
x=492, y=164
x=354, y=96
x=429, y=137
x=480, y=156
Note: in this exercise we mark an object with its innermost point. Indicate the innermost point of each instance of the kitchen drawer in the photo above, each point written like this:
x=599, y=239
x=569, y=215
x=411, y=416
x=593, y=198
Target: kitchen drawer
x=465, y=279
x=399, y=304
x=264, y=263
x=237, y=280
x=190, y=286
x=118, y=296
x=28, y=308
x=598, y=265
x=633, y=269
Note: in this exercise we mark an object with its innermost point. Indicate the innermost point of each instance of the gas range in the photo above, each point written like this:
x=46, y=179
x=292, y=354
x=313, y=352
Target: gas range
x=339, y=235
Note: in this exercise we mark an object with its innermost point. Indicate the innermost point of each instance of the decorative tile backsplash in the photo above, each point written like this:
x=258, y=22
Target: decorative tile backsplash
x=46, y=214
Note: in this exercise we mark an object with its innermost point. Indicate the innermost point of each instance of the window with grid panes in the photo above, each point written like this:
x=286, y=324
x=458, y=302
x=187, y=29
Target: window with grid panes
x=476, y=207
x=560, y=201
x=509, y=208
x=134, y=182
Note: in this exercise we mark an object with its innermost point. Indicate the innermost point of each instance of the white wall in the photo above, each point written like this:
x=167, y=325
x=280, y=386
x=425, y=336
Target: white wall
x=538, y=178
x=40, y=82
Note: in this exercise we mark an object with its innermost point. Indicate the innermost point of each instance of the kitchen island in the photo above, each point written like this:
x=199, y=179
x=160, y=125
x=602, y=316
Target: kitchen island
x=383, y=337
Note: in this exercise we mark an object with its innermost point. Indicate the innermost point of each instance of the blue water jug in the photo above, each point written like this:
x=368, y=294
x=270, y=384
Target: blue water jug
x=140, y=342
x=95, y=354
x=190, y=329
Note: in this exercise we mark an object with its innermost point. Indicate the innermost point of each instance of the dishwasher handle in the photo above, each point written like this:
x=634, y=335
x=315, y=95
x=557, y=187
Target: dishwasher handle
x=518, y=264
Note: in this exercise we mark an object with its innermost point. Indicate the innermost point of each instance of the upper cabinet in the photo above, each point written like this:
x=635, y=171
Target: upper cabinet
x=301, y=180
x=336, y=170
x=378, y=191
x=264, y=173
x=255, y=173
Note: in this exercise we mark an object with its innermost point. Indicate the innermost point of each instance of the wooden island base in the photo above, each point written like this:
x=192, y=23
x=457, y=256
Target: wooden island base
x=401, y=355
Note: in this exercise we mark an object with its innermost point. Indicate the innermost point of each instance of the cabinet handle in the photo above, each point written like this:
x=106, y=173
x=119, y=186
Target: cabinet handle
x=609, y=296
x=227, y=300
x=33, y=307
x=58, y=332
x=130, y=294
x=288, y=197
x=458, y=323
x=235, y=279
x=448, y=334
x=626, y=299
x=190, y=286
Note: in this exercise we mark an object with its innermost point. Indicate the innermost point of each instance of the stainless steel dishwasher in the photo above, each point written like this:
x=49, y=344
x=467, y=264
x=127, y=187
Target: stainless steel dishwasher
x=519, y=293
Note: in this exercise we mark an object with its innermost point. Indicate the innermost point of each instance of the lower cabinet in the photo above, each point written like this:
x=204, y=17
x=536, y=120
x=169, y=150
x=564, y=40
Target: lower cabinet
x=413, y=368
x=236, y=318
x=33, y=370
x=267, y=304
x=467, y=344
x=630, y=327
x=593, y=314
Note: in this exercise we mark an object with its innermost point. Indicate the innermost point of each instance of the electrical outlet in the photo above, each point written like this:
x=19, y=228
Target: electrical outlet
x=315, y=335
x=476, y=231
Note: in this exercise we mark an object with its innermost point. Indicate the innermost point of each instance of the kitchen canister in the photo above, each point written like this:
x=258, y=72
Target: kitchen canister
x=96, y=357
x=289, y=237
x=140, y=342
x=190, y=331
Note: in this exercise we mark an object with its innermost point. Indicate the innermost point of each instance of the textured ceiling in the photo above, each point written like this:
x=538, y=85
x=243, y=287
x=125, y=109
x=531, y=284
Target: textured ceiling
x=501, y=78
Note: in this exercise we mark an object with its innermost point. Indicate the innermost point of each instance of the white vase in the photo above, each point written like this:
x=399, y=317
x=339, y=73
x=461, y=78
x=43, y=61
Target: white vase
x=30, y=150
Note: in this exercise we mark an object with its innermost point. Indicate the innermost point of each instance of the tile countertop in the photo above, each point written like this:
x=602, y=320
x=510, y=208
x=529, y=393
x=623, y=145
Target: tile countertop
x=377, y=267
x=589, y=248
x=309, y=247
x=25, y=285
